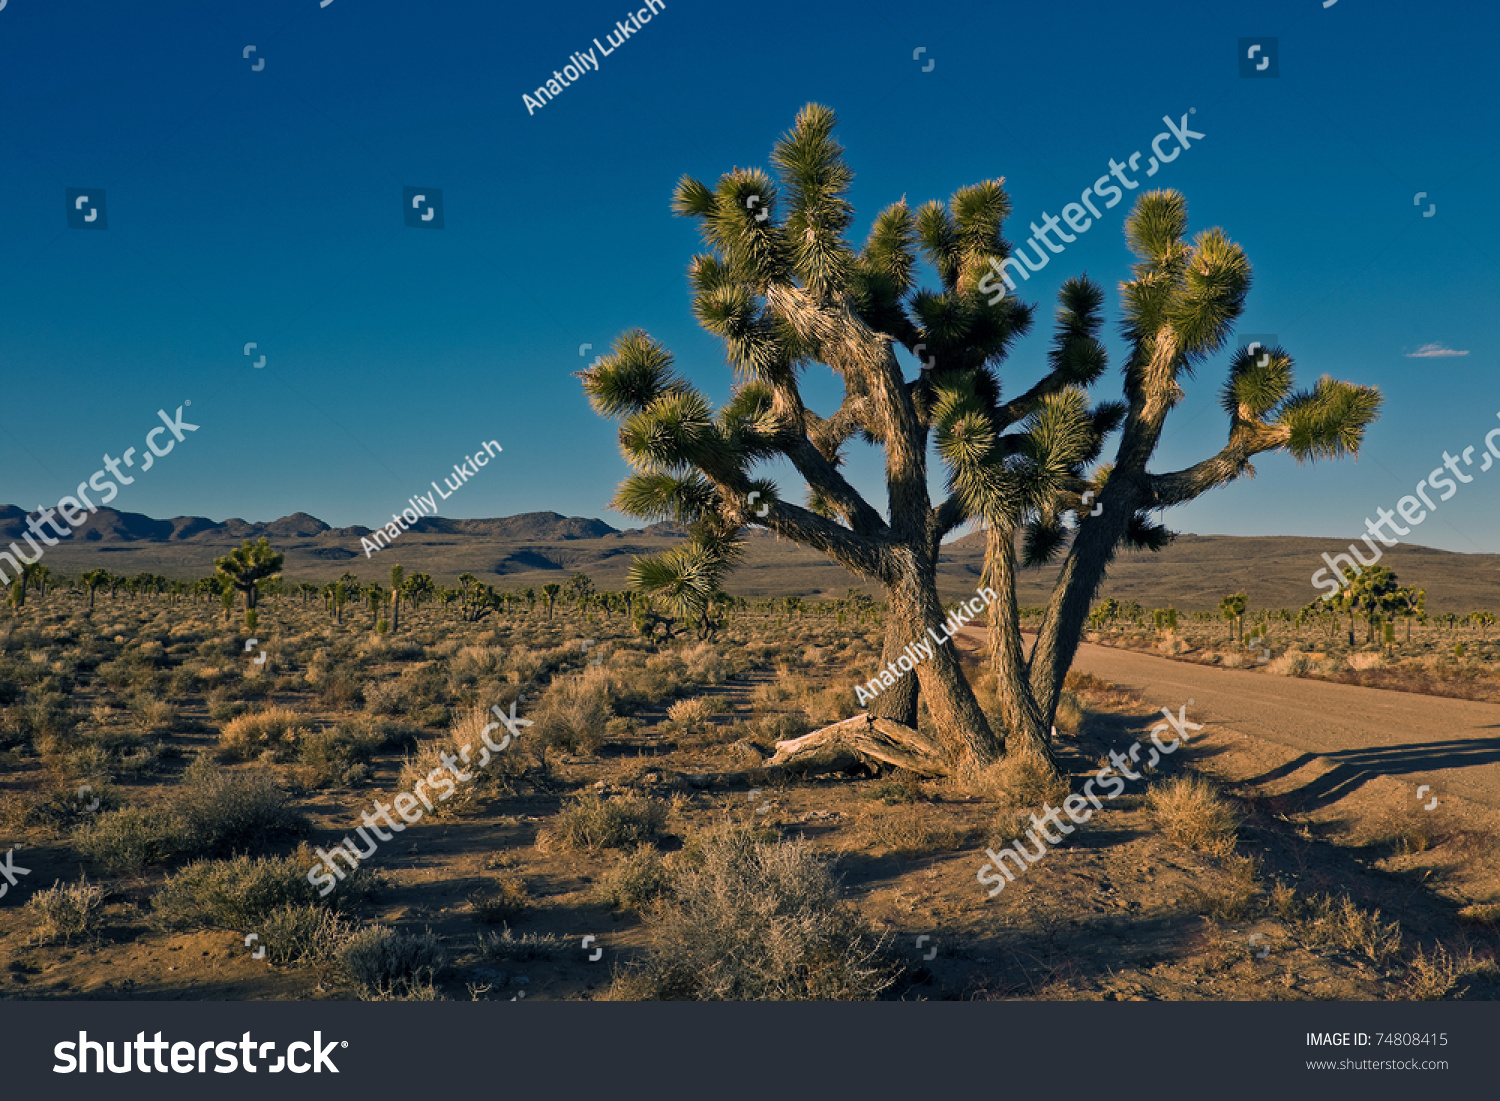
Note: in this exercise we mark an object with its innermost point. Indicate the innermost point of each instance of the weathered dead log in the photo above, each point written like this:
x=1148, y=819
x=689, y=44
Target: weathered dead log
x=861, y=739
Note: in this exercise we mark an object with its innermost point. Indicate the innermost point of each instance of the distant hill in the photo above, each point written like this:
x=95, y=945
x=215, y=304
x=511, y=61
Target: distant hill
x=1194, y=573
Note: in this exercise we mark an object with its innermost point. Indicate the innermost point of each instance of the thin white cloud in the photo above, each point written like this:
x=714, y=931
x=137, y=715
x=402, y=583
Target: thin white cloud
x=1428, y=351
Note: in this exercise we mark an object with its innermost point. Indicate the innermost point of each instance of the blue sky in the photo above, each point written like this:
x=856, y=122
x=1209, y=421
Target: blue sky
x=265, y=205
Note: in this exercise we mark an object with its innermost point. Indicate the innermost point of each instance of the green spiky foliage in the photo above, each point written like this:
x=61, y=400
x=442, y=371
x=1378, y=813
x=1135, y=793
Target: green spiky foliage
x=785, y=291
x=248, y=565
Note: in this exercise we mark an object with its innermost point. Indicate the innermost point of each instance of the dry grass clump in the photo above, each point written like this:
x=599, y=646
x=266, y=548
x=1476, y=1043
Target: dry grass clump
x=275, y=731
x=1293, y=663
x=506, y=946
x=913, y=830
x=1321, y=923
x=592, y=823
x=1442, y=974
x=754, y=920
x=1190, y=812
x=65, y=911
x=574, y=711
x=1410, y=830
x=505, y=898
x=693, y=712
x=1236, y=898
x=1015, y=781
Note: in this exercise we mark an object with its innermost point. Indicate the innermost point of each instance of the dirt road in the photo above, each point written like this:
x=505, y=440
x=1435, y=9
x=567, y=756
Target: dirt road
x=1452, y=745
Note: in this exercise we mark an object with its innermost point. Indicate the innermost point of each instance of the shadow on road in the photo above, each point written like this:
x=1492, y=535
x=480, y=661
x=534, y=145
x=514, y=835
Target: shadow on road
x=1353, y=767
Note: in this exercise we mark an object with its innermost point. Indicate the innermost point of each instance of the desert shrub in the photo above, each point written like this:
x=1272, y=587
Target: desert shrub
x=384, y=961
x=231, y=894
x=65, y=911
x=1070, y=713
x=506, y=898
x=755, y=920
x=593, y=823
x=223, y=705
x=155, y=716
x=304, y=934
x=1441, y=975
x=1190, y=812
x=57, y=805
x=386, y=698
x=694, y=711
x=1238, y=897
x=275, y=731
x=213, y=812
x=781, y=727
x=467, y=754
x=1016, y=781
x=1290, y=664
x=575, y=711
x=1322, y=923
x=228, y=811
x=1481, y=913
x=131, y=838
x=342, y=754
x=638, y=878
x=830, y=705
x=341, y=687
x=506, y=946
x=475, y=663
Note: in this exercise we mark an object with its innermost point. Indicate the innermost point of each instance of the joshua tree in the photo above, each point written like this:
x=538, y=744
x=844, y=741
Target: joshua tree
x=578, y=588
x=786, y=292
x=248, y=565
x=1410, y=604
x=1232, y=608
x=398, y=575
x=419, y=587
x=550, y=591
x=93, y=580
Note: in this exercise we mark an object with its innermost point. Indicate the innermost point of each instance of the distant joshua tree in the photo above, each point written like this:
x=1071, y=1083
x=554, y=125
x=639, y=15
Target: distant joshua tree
x=248, y=565
x=550, y=591
x=398, y=575
x=94, y=580
x=1232, y=608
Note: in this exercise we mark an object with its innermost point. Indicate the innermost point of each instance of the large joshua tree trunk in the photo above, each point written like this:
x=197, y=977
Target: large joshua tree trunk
x=1018, y=706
